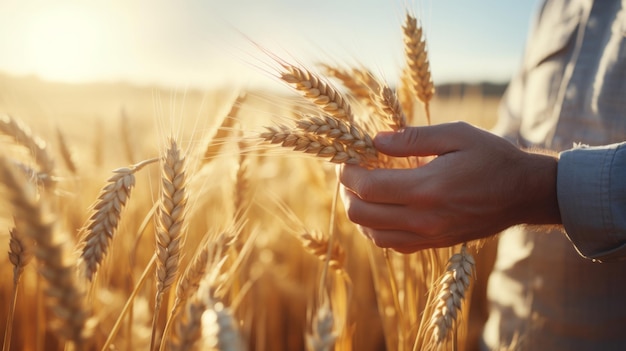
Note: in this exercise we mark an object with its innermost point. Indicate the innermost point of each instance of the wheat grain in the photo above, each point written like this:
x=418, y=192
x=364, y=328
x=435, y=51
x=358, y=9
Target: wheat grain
x=450, y=294
x=20, y=256
x=388, y=102
x=220, y=330
x=102, y=224
x=317, y=245
x=327, y=137
x=322, y=337
x=19, y=253
x=38, y=148
x=170, y=231
x=318, y=91
x=417, y=62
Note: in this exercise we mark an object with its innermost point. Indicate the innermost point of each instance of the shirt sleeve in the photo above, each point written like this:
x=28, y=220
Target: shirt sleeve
x=591, y=190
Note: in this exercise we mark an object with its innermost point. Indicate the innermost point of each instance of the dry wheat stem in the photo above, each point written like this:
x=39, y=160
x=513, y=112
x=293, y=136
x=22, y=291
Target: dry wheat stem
x=170, y=231
x=38, y=148
x=101, y=226
x=127, y=139
x=128, y=304
x=64, y=295
x=318, y=91
x=417, y=62
x=451, y=294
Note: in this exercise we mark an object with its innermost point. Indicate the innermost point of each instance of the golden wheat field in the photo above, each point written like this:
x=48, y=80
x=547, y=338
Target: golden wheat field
x=137, y=218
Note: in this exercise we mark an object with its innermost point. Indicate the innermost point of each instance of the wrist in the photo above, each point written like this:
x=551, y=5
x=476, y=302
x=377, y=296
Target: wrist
x=539, y=204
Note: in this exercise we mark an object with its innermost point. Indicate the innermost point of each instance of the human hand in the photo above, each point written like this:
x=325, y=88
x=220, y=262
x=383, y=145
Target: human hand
x=477, y=185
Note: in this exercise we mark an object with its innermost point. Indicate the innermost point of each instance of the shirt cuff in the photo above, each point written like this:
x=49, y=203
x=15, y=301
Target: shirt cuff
x=591, y=190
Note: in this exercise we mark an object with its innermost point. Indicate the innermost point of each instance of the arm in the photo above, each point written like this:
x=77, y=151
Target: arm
x=478, y=185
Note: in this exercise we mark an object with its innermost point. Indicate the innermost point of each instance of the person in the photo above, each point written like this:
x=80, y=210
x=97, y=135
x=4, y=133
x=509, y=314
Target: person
x=558, y=280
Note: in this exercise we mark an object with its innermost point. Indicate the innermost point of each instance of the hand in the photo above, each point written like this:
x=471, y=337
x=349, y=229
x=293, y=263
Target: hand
x=477, y=185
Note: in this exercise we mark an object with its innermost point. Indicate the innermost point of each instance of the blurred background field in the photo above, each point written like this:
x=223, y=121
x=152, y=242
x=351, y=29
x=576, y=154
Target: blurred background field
x=94, y=118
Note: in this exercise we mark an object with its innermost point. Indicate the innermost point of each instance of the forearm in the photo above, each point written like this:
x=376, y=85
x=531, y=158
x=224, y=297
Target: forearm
x=591, y=189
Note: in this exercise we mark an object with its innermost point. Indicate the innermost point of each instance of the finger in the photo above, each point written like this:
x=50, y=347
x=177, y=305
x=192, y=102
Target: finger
x=383, y=216
x=385, y=186
x=425, y=141
x=400, y=241
x=403, y=241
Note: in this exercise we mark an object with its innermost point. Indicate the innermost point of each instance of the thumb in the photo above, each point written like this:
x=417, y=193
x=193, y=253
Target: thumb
x=424, y=141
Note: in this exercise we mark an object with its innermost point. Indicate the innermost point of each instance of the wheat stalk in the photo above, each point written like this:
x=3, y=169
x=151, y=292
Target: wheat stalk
x=170, y=232
x=417, y=62
x=64, y=296
x=127, y=140
x=102, y=224
x=451, y=294
x=38, y=148
x=318, y=91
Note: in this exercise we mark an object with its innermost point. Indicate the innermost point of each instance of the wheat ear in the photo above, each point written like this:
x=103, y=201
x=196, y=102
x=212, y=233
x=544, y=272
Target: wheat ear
x=102, y=224
x=219, y=328
x=19, y=255
x=418, y=63
x=322, y=337
x=218, y=137
x=170, y=232
x=316, y=90
x=317, y=245
x=327, y=137
x=450, y=294
x=64, y=296
x=387, y=101
x=38, y=148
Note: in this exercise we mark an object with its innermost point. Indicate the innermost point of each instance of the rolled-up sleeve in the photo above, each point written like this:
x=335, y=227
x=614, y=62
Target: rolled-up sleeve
x=591, y=188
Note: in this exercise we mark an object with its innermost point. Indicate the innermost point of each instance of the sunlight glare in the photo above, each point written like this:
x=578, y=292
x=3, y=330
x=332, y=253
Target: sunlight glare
x=65, y=43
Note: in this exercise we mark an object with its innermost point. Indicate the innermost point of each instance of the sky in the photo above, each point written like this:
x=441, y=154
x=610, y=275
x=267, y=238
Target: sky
x=204, y=43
